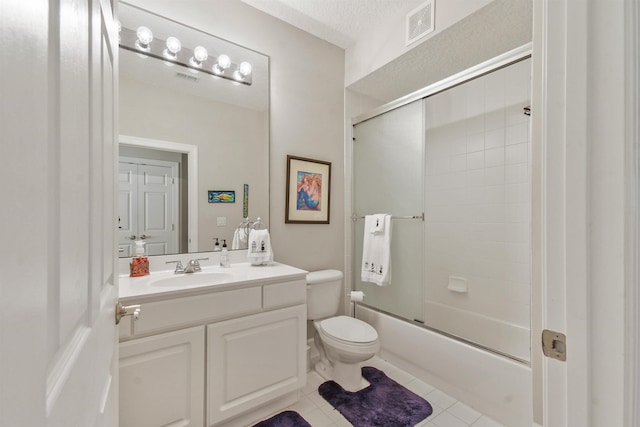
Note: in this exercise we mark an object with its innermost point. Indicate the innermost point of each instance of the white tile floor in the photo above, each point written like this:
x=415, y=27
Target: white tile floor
x=447, y=412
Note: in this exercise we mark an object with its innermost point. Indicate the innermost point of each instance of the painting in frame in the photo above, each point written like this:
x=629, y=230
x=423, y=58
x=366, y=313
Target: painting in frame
x=308, y=191
x=221, y=196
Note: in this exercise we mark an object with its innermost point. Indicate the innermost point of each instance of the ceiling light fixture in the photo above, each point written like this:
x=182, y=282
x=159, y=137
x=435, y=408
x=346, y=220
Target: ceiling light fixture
x=197, y=59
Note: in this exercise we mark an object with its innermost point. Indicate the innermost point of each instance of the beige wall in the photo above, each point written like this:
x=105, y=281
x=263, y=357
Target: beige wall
x=307, y=114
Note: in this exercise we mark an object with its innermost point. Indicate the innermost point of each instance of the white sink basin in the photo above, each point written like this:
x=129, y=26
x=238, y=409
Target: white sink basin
x=193, y=279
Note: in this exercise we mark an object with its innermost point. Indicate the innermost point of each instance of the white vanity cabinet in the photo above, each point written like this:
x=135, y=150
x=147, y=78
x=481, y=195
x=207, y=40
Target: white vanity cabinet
x=252, y=359
x=211, y=356
x=162, y=379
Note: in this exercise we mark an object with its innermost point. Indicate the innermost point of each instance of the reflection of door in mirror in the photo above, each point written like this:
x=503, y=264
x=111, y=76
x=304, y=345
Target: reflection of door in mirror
x=148, y=205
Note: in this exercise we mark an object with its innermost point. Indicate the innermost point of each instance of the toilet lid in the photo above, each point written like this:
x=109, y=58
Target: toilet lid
x=349, y=329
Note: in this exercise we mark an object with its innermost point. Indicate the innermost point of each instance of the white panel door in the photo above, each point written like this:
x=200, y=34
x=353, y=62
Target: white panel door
x=82, y=351
x=59, y=289
x=127, y=208
x=147, y=206
x=156, y=210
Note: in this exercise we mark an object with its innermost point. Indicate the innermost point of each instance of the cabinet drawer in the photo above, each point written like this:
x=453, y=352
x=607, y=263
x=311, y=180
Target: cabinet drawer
x=285, y=294
x=174, y=313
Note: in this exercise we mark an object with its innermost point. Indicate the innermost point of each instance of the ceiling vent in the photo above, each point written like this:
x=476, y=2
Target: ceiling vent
x=420, y=21
x=187, y=77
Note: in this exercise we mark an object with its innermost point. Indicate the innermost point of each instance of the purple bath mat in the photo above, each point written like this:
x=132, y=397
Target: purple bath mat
x=385, y=403
x=284, y=419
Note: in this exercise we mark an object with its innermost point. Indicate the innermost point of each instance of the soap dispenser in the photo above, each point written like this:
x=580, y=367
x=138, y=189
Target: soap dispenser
x=139, y=263
x=224, y=256
x=216, y=245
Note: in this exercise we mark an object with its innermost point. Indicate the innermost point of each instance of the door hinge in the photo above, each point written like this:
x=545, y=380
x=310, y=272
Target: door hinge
x=554, y=345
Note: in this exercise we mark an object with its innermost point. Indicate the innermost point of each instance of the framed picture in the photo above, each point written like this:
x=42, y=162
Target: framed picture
x=217, y=196
x=308, y=191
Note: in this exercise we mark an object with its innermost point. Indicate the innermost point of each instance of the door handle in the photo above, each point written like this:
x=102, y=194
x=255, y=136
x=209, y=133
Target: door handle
x=132, y=237
x=144, y=236
x=127, y=310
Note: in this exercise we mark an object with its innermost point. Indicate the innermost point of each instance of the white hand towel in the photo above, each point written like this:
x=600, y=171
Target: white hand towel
x=377, y=224
x=239, y=238
x=259, y=250
x=376, y=252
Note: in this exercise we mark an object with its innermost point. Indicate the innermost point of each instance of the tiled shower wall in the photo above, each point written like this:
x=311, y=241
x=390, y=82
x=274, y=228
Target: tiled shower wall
x=477, y=210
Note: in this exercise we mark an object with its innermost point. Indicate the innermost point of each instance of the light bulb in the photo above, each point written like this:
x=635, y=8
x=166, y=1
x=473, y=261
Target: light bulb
x=237, y=75
x=173, y=47
x=245, y=68
x=224, y=61
x=145, y=36
x=200, y=54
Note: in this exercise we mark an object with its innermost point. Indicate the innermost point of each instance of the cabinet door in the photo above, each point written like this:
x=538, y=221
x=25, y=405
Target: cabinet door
x=162, y=380
x=254, y=359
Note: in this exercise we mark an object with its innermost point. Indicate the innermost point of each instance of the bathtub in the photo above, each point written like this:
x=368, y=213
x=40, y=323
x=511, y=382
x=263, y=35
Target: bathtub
x=494, y=385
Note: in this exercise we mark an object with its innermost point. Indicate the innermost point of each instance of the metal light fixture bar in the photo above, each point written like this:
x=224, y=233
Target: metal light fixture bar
x=156, y=49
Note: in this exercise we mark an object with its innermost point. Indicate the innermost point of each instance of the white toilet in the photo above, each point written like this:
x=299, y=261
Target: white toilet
x=343, y=342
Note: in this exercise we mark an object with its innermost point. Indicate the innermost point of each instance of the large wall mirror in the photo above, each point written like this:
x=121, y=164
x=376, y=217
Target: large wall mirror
x=194, y=138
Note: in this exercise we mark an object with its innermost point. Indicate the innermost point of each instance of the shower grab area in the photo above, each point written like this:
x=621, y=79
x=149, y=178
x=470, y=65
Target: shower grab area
x=451, y=164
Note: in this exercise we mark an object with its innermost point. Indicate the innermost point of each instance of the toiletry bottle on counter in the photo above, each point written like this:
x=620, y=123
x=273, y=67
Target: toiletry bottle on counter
x=224, y=256
x=216, y=245
x=139, y=263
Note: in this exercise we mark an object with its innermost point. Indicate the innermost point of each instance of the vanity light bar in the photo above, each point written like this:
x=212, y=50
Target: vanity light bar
x=194, y=59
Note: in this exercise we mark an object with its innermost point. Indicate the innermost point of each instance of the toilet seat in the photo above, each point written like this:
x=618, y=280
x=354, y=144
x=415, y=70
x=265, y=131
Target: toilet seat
x=348, y=330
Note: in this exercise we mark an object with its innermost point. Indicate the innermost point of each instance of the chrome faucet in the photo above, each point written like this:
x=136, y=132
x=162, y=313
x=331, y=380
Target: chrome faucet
x=179, y=268
x=192, y=266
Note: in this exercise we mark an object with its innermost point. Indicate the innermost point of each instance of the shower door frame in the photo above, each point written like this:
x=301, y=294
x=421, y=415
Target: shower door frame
x=501, y=61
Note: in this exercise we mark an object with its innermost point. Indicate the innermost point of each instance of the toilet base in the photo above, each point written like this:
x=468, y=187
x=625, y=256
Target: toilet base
x=348, y=376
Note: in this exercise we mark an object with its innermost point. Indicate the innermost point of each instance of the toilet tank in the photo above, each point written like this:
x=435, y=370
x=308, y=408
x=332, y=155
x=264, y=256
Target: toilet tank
x=323, y=293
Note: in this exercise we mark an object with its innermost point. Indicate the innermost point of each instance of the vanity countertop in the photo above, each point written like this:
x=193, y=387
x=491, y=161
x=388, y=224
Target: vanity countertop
x=165, y=284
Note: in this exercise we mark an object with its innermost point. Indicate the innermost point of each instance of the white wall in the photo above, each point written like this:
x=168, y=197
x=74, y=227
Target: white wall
x=307, y=114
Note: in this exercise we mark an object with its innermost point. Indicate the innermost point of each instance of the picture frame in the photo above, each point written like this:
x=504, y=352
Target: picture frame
x=221, y=196
x=308, y=191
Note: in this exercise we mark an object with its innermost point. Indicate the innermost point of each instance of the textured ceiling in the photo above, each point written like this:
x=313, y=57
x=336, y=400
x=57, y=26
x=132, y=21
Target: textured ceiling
x=500, y=26
x=338, y=21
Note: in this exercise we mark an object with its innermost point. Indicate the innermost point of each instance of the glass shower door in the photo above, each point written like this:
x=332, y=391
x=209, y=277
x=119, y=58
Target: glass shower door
x=388, y=178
